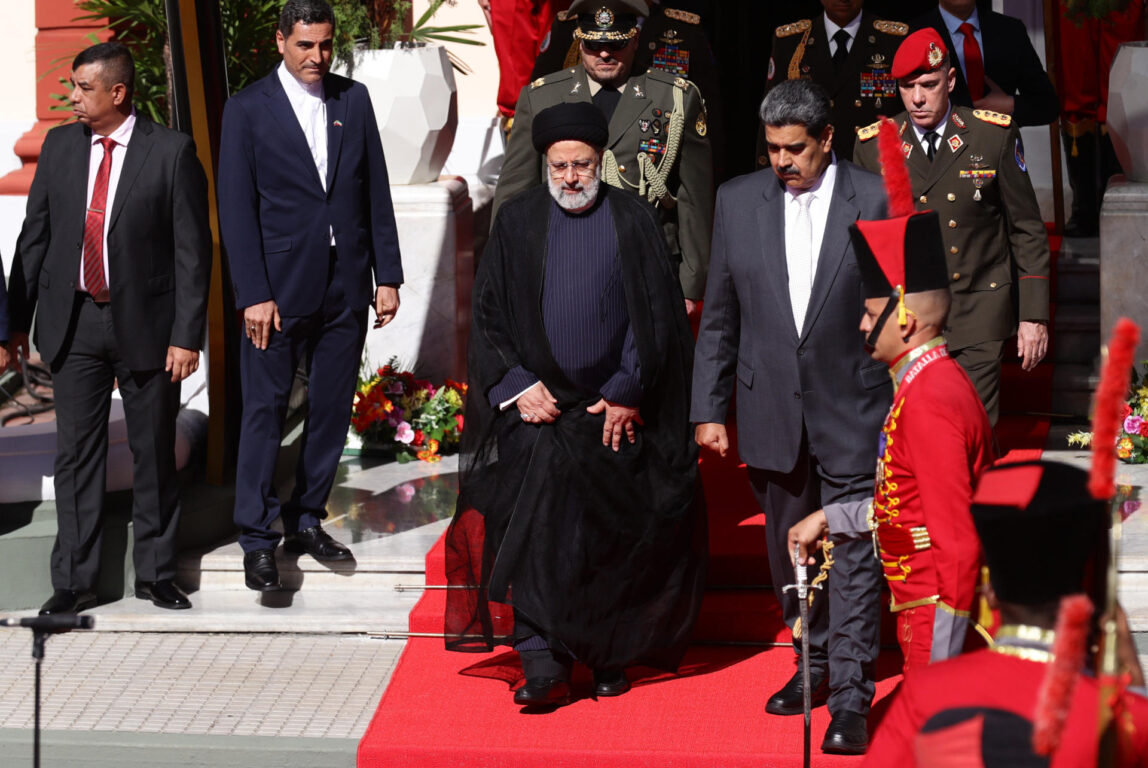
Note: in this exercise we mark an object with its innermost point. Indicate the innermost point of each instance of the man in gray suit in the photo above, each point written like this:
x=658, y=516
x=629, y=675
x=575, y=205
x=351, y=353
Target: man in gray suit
x=781, y=311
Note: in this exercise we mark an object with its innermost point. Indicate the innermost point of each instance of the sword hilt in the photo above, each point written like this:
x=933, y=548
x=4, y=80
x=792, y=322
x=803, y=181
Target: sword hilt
x=802, y=586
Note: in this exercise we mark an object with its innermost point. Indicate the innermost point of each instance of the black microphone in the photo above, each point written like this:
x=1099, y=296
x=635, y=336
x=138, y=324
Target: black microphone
x=57, y=622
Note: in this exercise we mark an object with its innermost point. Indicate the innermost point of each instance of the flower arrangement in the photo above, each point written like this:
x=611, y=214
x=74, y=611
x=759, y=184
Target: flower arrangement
x=410, y=418
x=1132, y=438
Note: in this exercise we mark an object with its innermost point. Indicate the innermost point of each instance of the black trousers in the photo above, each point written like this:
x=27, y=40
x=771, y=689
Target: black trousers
x=332, y=339
x=844, y=620
x=982, y=362
x=83, y=376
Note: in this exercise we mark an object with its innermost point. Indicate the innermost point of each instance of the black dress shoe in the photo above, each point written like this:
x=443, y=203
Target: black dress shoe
x=847, y=734
x=543, y=692
x=610, y=682
x=68, y=601
x=260, y=570
x=163, y=593
x=790, y=699
x=318, y=544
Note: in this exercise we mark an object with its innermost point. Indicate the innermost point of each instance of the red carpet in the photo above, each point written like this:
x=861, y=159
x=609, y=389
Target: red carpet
x=442, y=710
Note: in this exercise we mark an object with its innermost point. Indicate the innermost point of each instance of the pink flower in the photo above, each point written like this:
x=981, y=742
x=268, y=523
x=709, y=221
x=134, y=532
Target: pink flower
x=405, y=492
x=1132, y=424
x=1128, y=508
x=395, y=388
x=404, y=434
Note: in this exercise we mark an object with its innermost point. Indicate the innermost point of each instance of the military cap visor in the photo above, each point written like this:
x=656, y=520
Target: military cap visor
x=606, y=20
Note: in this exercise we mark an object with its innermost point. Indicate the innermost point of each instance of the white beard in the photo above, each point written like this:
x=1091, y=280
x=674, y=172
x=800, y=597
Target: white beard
x=586, y=195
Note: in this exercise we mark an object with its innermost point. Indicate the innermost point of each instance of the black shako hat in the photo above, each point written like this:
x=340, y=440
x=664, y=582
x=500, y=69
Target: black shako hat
x=600, y=20
x=570, y=121
x=906, y=251
x=1040, y=528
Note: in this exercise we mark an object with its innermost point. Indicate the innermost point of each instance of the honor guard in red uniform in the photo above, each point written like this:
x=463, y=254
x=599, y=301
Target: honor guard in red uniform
x=1042, y=533
x=519, y=28
x=934, y=444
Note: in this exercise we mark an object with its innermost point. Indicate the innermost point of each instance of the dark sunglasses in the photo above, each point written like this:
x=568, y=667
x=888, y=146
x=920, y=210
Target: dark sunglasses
x=597, y=46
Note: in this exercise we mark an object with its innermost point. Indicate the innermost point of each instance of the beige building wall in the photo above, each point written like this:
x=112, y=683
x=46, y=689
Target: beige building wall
x=476, y=91
x=19, y=102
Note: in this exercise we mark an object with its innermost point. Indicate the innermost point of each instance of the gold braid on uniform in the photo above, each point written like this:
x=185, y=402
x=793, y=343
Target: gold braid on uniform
x=652, y=178
x=822, y=575
x=600, y=35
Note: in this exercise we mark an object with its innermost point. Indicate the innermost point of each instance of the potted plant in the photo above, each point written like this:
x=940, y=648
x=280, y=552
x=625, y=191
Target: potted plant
x=410, y=78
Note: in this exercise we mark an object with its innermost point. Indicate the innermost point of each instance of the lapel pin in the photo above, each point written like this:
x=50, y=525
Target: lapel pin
x=338, y=123
x=638, y=91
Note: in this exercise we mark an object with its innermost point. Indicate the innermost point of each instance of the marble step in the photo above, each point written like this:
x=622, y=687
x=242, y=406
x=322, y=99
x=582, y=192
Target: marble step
x=309, y=610
x=1072, y=388
x=1134, y=598
x=1078, y=279
x=1076, y=334
x=380, y=563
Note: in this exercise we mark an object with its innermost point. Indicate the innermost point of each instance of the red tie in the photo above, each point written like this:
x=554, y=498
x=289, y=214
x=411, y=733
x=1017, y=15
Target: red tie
x=974, y=64
x=93, y=265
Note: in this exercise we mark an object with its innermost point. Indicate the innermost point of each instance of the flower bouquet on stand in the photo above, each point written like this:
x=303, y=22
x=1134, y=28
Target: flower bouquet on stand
x=1132, y=439
x=399, y=416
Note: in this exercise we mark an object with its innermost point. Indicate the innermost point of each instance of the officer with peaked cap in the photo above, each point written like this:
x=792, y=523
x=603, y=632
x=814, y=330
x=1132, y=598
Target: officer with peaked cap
x=1042, y=534
x=658, y=146
x=968, y=165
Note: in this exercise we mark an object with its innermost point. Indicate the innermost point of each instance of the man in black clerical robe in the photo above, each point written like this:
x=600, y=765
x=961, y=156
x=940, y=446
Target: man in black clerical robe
x=580, y=527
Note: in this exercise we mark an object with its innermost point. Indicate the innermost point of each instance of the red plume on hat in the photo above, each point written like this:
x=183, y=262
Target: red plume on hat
x=897, y=186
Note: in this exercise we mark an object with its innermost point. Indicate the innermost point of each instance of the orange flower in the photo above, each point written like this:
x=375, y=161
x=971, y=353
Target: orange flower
x=1124, y=448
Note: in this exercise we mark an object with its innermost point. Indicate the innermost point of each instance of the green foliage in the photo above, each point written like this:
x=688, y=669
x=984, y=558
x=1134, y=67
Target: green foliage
x=354, y=28
x=249, y=39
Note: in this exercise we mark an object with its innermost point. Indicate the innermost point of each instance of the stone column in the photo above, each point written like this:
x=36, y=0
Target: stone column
x=58, y=39
x=1123, y=247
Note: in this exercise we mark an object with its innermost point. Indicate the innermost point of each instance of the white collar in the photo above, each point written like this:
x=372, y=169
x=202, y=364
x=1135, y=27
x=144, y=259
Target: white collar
x=121, y=135
x=939, y=127
x=827, y=179
x=295, y=89
x=852, y=27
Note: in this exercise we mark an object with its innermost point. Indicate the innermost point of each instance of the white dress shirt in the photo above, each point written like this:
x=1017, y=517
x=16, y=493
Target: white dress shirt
x=939, y=129
x=307, y=101
x=121, y=136
x=952, y=23
x=802, y=249
x=831, y=29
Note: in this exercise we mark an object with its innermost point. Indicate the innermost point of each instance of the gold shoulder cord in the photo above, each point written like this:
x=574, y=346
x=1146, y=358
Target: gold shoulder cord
x=652, y=178
x=794, y=71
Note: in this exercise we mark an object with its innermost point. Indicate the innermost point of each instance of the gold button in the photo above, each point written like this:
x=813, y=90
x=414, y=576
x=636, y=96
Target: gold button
x=956, y=275
x=992, y=285
x=924, y=199
x=952, y=224
x=621, y=169
x=953, y=249
x=951, y=197
x=857, y=103
x=762, y=160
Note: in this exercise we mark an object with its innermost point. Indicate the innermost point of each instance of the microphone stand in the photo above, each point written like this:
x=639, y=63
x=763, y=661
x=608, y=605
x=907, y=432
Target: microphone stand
x=42, y=628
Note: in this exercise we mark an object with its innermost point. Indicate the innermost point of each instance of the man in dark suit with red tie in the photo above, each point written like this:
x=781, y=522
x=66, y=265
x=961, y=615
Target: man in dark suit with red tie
x=114, y=258
x=306, y=217
x=997, y=67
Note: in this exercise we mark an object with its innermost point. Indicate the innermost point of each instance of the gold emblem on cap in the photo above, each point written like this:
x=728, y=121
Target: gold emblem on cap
x=604, y=18
x=935, y=56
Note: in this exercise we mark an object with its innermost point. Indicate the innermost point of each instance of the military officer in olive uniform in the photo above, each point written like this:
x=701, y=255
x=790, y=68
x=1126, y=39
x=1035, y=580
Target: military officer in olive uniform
x=848, y=52
x=658, y=133
x=968, y=165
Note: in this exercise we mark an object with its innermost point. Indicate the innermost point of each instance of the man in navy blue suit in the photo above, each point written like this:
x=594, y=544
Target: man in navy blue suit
x=306, y=216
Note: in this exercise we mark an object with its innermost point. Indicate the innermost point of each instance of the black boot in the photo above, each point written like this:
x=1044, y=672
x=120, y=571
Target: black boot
x=1080, y=149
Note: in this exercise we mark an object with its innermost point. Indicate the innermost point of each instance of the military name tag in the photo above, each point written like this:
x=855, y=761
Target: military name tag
x=673, y=59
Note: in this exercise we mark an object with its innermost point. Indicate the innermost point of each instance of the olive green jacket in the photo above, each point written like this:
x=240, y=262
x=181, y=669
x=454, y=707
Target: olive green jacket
x=995, y=241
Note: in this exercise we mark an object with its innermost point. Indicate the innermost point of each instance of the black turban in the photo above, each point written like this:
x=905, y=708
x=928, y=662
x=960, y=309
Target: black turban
x=570, y=121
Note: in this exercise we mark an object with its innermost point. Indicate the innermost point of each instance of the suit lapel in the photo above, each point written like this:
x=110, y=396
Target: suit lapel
x=139, y=146
x=960, y=94
x=771, y=231
x=285, y=120
x=842, y=212
x=633, y=102
x=336, y=114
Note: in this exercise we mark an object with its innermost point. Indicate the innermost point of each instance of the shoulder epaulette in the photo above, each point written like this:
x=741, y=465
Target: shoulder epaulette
x=996, y=118
x=869, y=131
x=563, y=15
x=686, y=16
x=891, y=27
x=796, y=28
x=553, y=77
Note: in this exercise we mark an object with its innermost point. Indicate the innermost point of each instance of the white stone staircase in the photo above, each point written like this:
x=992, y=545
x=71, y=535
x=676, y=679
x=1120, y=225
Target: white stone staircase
x=389, y=515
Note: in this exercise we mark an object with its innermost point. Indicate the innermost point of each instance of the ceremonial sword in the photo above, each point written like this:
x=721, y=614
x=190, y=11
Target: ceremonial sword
x=802, y=587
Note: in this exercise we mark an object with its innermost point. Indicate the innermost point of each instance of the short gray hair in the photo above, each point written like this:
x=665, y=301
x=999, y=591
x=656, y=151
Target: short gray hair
x=797, y=102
